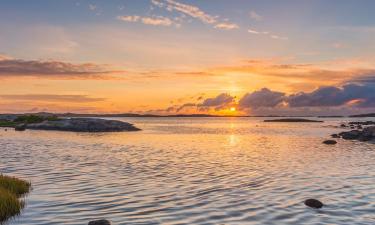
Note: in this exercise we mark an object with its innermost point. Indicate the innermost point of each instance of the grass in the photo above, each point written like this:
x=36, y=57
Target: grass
x=29, y=119
x=4, y=123
x=35, y=119
x=11, y=189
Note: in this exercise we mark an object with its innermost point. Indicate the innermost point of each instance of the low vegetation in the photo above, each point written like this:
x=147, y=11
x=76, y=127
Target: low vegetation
x=27, y=119
x=11, y=189
x=5, y=123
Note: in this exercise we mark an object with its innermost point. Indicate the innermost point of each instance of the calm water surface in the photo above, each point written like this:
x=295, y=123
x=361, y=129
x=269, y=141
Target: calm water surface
x=193, y=171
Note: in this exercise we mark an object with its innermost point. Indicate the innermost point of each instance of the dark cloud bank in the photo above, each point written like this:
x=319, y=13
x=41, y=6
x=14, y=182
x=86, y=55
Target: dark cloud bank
x=353, y=95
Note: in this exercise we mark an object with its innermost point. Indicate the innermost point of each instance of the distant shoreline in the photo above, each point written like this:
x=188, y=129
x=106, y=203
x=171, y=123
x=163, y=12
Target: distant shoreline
x=173, y=116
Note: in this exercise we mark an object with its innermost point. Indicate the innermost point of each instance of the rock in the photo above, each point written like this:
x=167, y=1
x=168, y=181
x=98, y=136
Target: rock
x=367, y=134
x=20, y=127
x=342, y=125
x=83, y=125
x=99, y=222
x=350, y=135
x=335, y=136
x=330, y=142
x=313, y=203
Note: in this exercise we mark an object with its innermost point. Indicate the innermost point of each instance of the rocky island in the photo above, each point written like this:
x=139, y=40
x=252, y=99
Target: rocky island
x=35, y=122
x=294, y=120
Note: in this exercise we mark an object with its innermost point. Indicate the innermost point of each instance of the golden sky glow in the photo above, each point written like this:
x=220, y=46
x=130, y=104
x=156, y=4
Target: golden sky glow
x=173, y=57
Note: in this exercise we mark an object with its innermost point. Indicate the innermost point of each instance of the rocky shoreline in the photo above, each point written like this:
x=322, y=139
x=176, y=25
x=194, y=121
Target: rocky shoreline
x=361, y=131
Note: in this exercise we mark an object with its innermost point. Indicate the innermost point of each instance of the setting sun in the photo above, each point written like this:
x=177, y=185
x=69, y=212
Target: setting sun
x=232, y=109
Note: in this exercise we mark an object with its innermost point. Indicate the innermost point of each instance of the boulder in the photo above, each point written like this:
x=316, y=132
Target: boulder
x=350, y=135
x=20, y=127
x=99, y=222
x=313, y=203
x=330, y=142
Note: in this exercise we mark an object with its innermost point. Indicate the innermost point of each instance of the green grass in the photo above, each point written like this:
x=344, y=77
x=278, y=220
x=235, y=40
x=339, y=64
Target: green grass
x=11, y=189
x=35, y=119
x=29, y=119
x=7, y=123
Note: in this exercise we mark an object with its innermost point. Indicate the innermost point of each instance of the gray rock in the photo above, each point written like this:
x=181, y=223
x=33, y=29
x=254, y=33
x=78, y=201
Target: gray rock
x=330, y=142
x=350, y=135
x=99, y=222
x=20, y=127
x=313, y=203
x=84, y=125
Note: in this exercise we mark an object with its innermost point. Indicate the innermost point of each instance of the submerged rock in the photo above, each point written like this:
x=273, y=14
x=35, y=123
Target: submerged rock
x=83, y=125
x=330, y=142
x=99, y=222
x=313, y=203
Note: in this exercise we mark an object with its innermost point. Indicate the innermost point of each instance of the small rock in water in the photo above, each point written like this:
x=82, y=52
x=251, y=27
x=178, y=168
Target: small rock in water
x=20, y=127
x=330, y=142
x=100, y=222
x=335, y=136
x=313, y=203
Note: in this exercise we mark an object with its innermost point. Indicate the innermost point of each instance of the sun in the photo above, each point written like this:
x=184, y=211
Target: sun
x=232, y=109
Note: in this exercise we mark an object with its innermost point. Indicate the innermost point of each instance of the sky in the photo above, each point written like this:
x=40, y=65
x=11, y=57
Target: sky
x=224, y=57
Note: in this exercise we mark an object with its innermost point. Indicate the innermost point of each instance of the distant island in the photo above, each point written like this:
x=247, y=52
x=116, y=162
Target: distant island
x=294, y=120
x=364, y=115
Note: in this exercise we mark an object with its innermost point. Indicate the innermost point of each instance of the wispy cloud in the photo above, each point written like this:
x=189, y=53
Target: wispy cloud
x=226, y=26
x=37, y=68
x=129, y=18
x=52, y=98
x=155, y=21
x=269, y=34
x=252, y=31
x=255, y=16
x=187, y=9
x=196, y=13
x=92, y=7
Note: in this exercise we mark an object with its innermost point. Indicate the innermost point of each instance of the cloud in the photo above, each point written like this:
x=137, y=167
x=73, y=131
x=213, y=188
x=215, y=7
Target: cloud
x=158, y=21
x=360, y=95
x=255, y=16
x=190, y=10
x=194, y=12
x=129, y=18
x=186, y=105
x=278, y=37
x=261, y=98
x=51, y=98
x=226, y=26
x=220, y=100
x=155, y=21
x=269, y=34
x=253, y=31
x=37, y=68
x=92, y=7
